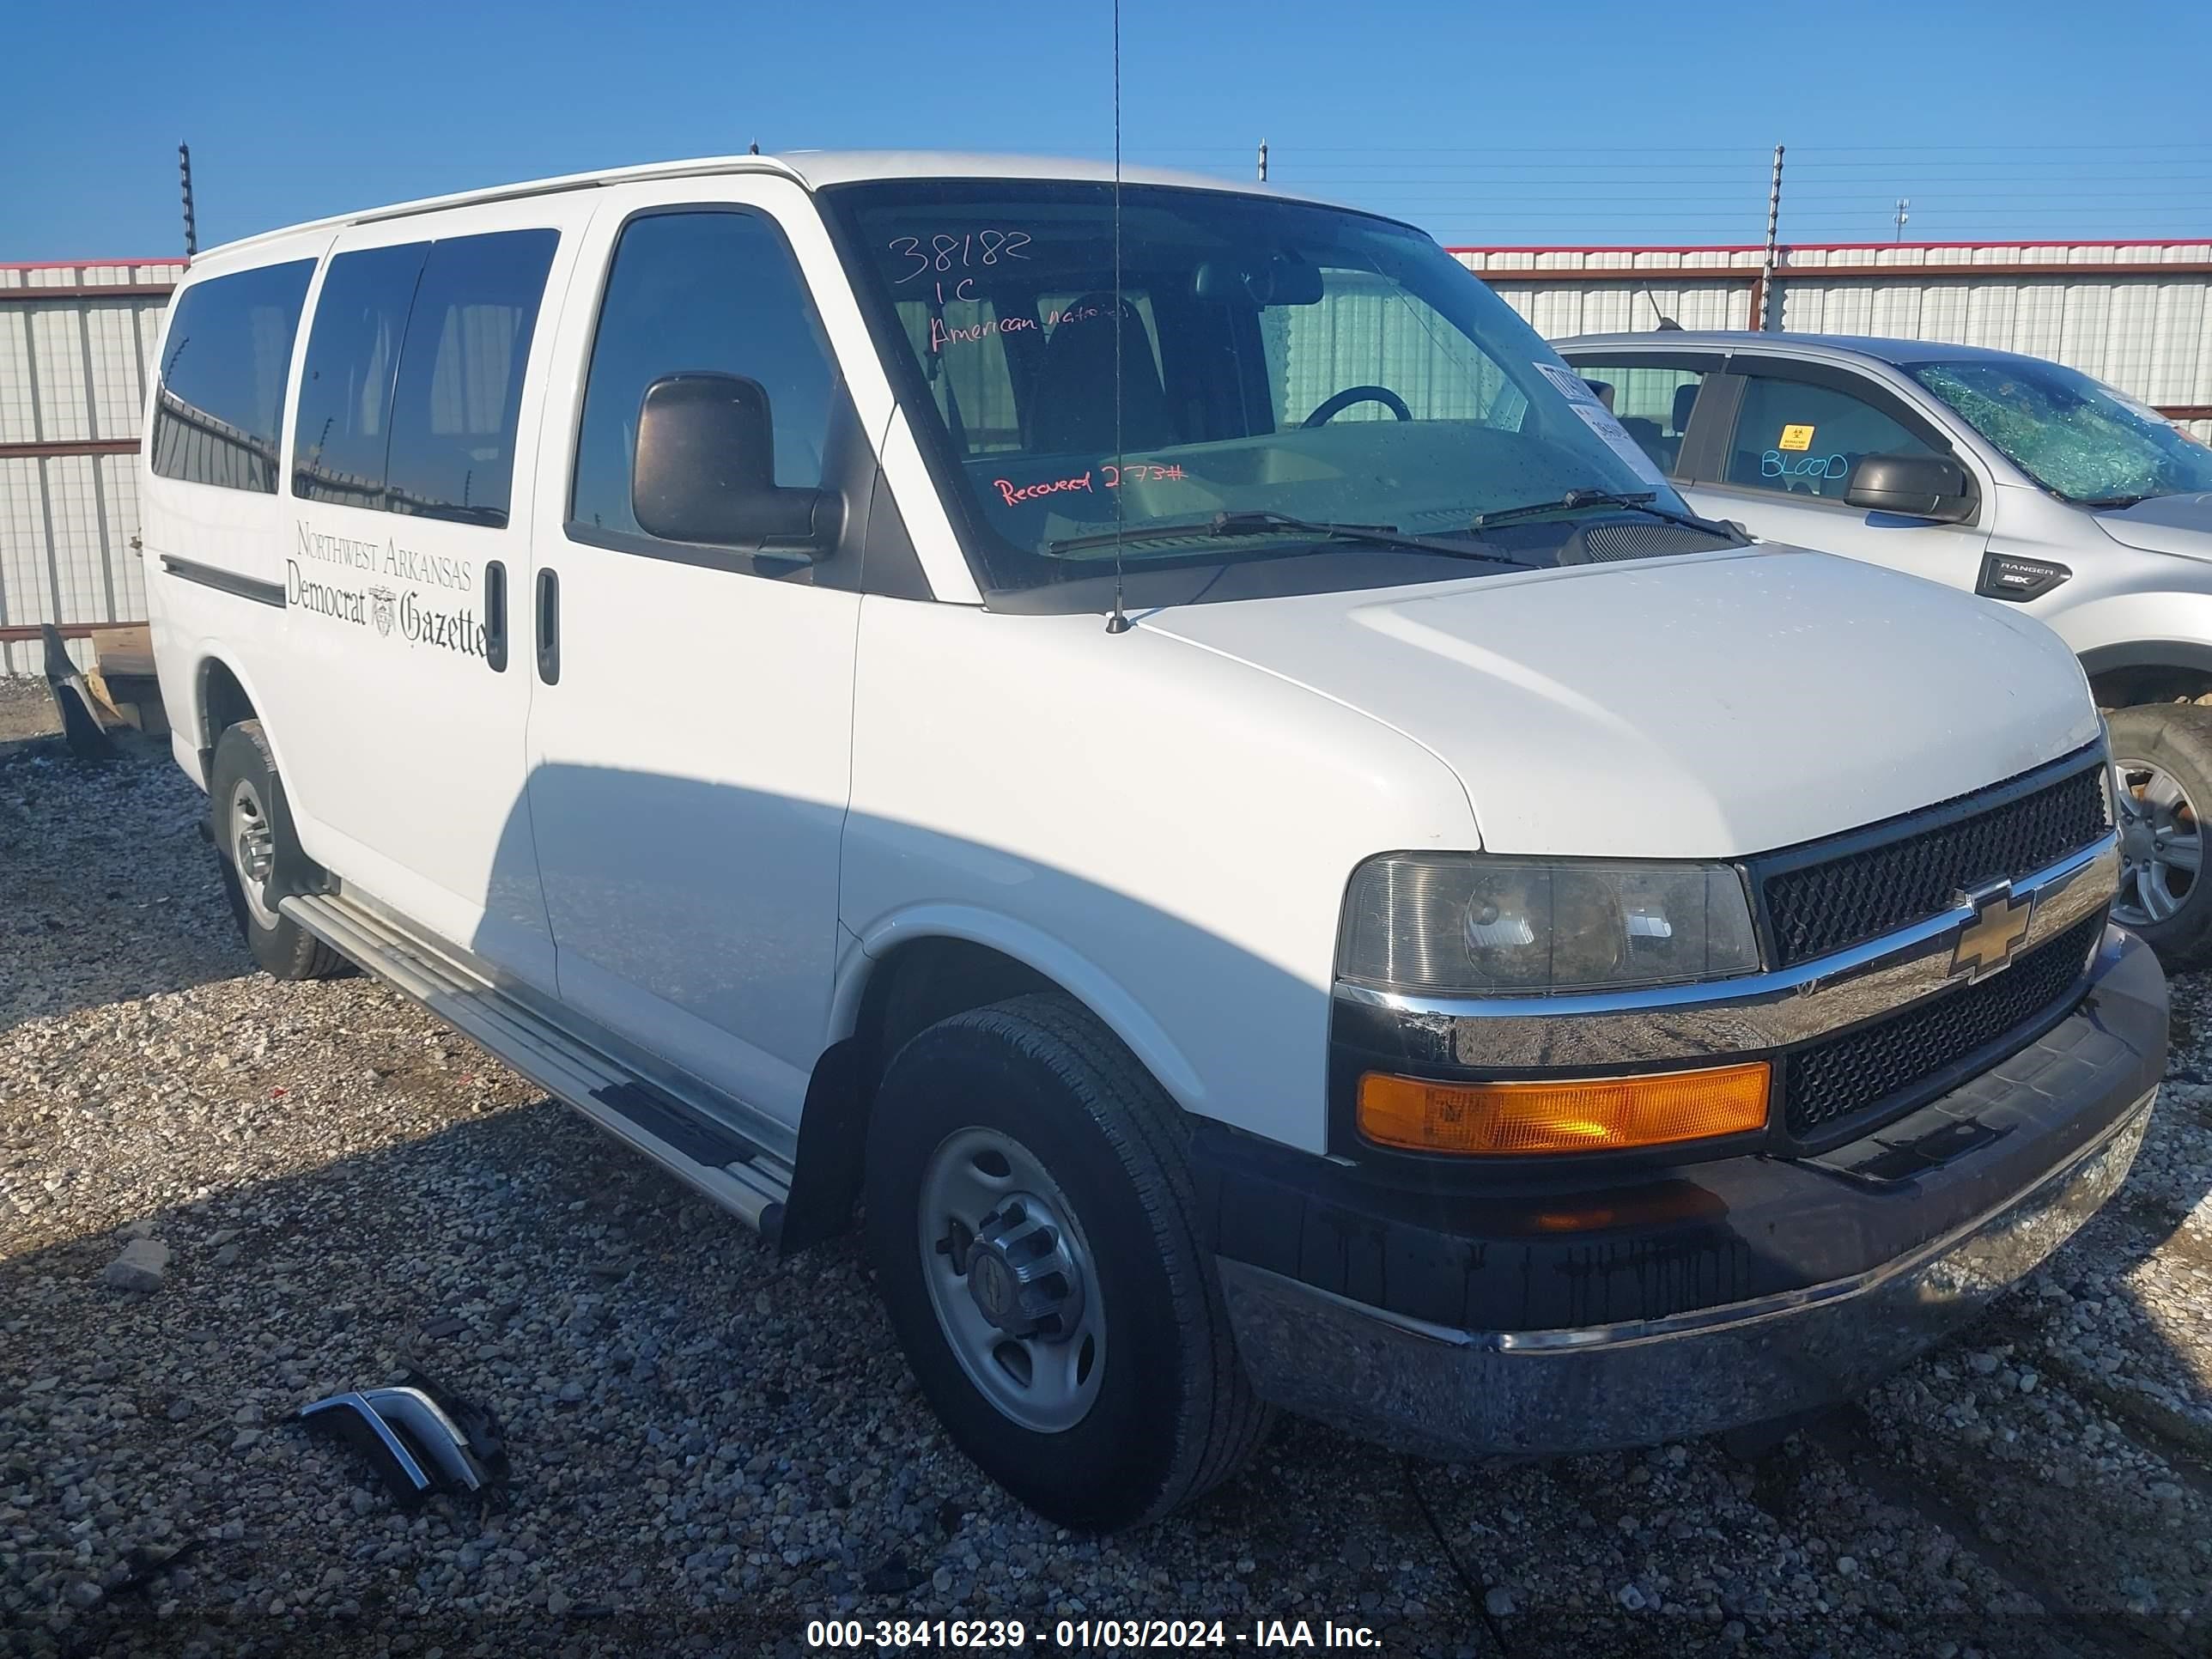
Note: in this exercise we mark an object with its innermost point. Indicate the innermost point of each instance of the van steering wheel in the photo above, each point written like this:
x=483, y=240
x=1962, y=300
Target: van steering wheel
x=1359, y=394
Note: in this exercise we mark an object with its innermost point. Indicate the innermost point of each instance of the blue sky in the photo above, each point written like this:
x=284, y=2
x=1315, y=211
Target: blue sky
x=1601, y=123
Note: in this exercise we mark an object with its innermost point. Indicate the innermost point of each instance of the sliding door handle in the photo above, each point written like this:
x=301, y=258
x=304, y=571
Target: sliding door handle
x=548, y=627
x=495, y=622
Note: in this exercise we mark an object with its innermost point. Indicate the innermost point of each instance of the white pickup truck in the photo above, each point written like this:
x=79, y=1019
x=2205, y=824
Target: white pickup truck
x=1156, y=737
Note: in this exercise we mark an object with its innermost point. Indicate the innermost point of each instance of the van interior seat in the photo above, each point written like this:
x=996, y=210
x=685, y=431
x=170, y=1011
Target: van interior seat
x=1070, y=403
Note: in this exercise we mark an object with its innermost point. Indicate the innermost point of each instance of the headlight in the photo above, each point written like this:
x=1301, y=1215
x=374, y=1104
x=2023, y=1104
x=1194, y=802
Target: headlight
x=1441, y=923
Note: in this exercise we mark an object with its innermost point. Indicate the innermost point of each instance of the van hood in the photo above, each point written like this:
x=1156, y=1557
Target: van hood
x=1709, y=706
x=2164, y=524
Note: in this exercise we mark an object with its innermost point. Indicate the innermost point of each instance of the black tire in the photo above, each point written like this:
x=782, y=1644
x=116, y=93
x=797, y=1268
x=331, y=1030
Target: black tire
x=2176, y=738
x=279, y=944
x=1174, y=1414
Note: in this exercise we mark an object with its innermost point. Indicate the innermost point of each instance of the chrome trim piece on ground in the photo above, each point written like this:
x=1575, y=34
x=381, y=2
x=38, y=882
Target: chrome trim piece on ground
x=1431, y=1389
x=1759, y=1010
x=425, y=1425
x=351, y=1417
x=413, y=1439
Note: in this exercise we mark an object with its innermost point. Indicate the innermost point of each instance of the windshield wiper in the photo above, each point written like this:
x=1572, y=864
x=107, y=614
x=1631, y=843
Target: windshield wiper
x=1264, y=523
x=2117, y=501
x=1576, y=499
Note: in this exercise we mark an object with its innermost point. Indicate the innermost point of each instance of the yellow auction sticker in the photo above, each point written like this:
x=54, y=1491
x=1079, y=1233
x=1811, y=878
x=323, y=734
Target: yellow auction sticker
x=1795, y=437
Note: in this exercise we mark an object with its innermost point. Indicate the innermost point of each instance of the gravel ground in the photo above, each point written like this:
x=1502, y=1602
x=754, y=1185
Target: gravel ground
x=26, y=709
x=711, y=1445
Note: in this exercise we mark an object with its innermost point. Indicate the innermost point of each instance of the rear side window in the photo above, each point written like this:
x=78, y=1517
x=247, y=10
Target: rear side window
x=717, y=291
x=1655, y=405
x=344, y=424
x=413, y=389
x=459, y=396
x=219, y=409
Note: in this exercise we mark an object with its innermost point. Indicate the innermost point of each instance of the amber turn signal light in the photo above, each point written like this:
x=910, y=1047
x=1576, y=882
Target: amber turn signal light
x=1578, y=1115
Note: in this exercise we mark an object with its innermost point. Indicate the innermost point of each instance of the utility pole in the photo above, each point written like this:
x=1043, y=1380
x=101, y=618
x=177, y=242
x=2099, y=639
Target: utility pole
x=1761, y=296
x=1263, y=161
x=185, y=179
x=1903, y=206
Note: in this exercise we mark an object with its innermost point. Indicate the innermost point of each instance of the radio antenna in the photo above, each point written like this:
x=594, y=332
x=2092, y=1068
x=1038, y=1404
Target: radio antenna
x=1119, y=622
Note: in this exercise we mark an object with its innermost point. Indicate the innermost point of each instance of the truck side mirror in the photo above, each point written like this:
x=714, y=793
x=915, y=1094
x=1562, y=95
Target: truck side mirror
x=1918, y=486
x=704, y=471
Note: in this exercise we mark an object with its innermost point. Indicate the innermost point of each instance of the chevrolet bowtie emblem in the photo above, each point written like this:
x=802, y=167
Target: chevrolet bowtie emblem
x=1986, y=944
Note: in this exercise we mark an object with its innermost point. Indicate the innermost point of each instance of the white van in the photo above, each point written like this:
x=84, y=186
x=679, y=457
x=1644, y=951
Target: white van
x=1160, y=739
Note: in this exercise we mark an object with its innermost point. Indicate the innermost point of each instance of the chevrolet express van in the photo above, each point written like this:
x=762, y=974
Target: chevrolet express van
x=1157, y=743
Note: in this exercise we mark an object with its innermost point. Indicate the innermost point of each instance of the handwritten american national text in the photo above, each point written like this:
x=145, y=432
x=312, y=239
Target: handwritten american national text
x=943, y=334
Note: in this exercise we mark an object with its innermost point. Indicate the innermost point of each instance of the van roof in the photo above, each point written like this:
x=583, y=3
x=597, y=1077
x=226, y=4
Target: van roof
x=812, y=169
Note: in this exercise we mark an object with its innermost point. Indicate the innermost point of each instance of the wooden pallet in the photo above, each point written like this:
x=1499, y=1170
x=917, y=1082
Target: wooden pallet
x=122, y=677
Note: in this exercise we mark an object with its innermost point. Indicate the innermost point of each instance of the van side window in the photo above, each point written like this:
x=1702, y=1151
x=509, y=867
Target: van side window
x=412, y=388
x=711, y=290
x=459, y=395
x=344, y=424
x=219, y=413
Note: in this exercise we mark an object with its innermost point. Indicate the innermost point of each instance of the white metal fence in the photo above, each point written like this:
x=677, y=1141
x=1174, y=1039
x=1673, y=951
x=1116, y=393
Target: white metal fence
x=75, y=346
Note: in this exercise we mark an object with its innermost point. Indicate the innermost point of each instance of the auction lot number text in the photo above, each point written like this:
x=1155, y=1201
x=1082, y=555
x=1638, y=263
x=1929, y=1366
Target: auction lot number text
x=893, y=1635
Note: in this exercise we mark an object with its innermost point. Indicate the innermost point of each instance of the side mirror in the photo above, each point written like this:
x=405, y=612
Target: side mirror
x=704, y=471
x=1918, y=486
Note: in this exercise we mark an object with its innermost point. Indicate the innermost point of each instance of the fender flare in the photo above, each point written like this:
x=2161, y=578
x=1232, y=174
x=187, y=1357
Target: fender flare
x=1107, y=999
x=833, y=1121
x=2147, y=653
x=208, y=653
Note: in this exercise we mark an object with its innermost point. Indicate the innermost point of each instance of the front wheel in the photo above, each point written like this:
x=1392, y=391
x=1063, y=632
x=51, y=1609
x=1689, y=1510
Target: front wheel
x=1032, y=1227
x=2163, y=761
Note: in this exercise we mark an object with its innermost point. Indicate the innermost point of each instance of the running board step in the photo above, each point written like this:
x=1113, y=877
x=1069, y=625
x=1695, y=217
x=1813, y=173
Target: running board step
x=686, y=1136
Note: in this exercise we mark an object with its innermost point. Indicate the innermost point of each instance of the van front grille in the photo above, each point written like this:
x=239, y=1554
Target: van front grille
x=1877, y=1066
x=1913, y=867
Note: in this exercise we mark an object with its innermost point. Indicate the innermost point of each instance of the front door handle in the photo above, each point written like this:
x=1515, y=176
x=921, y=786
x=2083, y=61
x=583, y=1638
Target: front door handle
x=495, y=622
x=548, y=628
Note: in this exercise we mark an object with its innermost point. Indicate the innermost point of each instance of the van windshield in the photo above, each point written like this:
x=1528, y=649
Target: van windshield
x=2075, y=436
x=1263, y=358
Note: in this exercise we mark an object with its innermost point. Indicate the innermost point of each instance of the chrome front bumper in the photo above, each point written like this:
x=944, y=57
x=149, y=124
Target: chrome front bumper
x=1428, y=1388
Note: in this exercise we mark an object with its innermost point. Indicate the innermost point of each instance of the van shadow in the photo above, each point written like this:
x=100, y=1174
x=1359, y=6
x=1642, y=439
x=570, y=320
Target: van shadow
x=119, y=842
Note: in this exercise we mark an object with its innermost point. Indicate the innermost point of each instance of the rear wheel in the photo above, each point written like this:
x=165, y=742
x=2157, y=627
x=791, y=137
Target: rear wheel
x=1032, y=1226
x=2163, y=756
x=261, y=861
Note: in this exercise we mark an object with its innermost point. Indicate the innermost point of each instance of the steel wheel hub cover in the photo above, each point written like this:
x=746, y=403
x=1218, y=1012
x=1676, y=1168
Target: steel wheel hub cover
x=1009, y=1276
x=1021, y=1275
x=253, y=850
